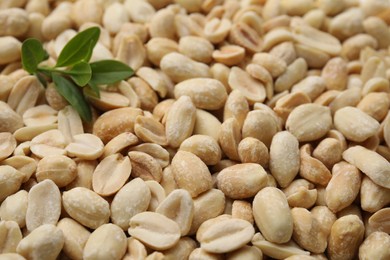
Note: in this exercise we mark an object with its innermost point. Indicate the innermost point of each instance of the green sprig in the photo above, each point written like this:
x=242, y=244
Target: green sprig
x=73, y=69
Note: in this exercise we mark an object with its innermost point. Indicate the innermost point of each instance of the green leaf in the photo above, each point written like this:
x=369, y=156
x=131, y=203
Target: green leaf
x=109, y=72
x=95, y=90
x=80, y=73
x=42, y=78
x=79, y=48
x=32, y=54
x=73, y=95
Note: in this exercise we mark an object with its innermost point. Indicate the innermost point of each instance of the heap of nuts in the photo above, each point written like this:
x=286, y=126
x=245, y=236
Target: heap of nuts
x=252, y=129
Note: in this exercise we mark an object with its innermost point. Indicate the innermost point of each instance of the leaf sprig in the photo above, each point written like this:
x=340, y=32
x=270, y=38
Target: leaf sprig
x=73, y=69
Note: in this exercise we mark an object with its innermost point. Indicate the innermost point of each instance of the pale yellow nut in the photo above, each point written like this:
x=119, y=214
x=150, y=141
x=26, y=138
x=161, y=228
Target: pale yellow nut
x=107, y=241
x=178, y=206
x=236, y=106
x=85, y=171
x=10, y=181
x=7, y=145
x=155, y=230
x=229, y=138
x=154, y=79
x=135, y=249
x=205, y=93
x=24, y=94
x=329, y=152
x=14, y=208
x=347, y=24
x=373, y=197
x=284, y=144
x=309, y=122
x=158, y=47
x=278, y=21
x=131, y=51
x=191, y=173
x=310, y=36
x=312, y=169
x=75, y=237
x=348, y=97
x=270, y=202
x=86, y=11
x=260, y=119
x=278, y=251
x=10, y=121
x=226, y=235
x=286, y=104
x=130, y=200
x=145, y=166
x=11, y=236
x=301, y=193
x=375, y=246
x=162, y=23
x=315, y=18
x=196, y=48
x=203, y=146
x=242, y=180
x=11, y=3
x=114, y=16
x=354, y=124
x=260, y=73
x=14, y=22
x=216, y=30
x=285, y=51
x=252, y=150
x=180, y=121
x=335, y=74
x=157, y=194
x=307, y=231
x=355, y=44
x=246, y=37
x=40, y=115
x=314, y=58
x=119, y=143
x=111, y=174
x=44, y=205
x=345, y=237
x=148, y=98
x=85, y=146
x=182, y=249
x=229, y=55
x=276, y=36
x=375, y=105
x=208, y=205
x=115, y=122
x=293, y=74
x=86, y=207
x=344, y=186
x=207, y=124
x=376, y=84
x=156, y=151
x=34, y=245
x=60, y=169
x=108, y=100
x=48, y=143
x=179, y=67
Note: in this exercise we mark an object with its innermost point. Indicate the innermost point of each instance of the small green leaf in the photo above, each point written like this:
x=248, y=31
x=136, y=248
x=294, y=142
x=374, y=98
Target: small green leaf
x=32, y=54
x=42, y=78
x=73, y=95
x=109, y=72
x=95, y=90
x=80, y=73
x=79, y=48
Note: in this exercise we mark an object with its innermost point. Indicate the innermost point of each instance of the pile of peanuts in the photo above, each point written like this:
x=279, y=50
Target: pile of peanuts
x=252, y=129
